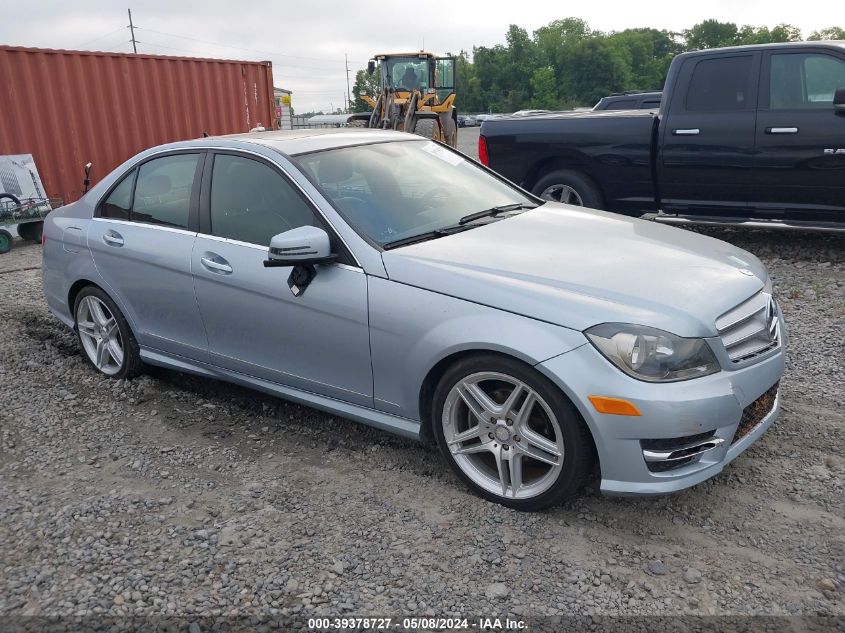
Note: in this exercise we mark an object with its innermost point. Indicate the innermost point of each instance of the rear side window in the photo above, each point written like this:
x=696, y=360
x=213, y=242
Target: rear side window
x=720, y=85
x=647, y=105
x=622, y=104
x=119, y=202
x=251, y=202
x=163, y=190
x=804, y=80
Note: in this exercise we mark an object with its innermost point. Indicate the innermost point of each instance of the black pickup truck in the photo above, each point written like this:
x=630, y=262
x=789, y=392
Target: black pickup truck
x=743, y=134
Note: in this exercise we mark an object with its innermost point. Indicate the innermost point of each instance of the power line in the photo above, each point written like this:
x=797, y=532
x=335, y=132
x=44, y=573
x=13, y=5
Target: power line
x=242, y=48
x=101, y=37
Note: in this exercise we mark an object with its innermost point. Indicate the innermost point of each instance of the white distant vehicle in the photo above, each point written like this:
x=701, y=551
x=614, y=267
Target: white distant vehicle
x=481, y=118
x=529, y=112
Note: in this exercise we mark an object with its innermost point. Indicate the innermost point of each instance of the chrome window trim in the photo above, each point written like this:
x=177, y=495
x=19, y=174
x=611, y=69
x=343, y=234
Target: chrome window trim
x=147, y=225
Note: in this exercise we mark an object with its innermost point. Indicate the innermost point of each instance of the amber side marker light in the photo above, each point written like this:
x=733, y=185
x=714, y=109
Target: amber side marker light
x=614, y=406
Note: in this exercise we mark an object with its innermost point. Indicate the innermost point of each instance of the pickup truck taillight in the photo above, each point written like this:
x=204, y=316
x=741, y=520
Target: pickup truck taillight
x=483, y=156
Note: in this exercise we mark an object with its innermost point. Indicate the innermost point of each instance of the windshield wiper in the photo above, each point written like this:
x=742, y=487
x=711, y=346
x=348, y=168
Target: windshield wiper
x=428, y=235
x=492, y=212
x=460, y=226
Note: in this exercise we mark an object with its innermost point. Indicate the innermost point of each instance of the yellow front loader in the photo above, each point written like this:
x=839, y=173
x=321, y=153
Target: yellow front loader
x=416, y=94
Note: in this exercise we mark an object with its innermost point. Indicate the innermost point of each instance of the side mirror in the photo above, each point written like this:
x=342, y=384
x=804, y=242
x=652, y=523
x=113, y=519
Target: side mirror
x=839, y=100
x=303, y=246
x=371, y=67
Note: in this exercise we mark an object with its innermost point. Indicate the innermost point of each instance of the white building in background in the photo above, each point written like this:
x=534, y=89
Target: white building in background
x=282, y=98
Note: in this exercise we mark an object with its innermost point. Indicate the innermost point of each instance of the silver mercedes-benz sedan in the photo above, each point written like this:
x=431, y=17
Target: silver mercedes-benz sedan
x=388, y=279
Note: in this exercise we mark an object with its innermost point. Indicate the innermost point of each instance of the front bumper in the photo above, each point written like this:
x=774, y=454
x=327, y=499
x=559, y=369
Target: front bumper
x=711, y=406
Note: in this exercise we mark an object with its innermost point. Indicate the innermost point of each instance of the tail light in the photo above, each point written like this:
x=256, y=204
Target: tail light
x=483, y=156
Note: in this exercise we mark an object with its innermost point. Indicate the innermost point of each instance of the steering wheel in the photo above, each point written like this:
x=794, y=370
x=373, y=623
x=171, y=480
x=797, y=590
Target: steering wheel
x=434, y=193
x=363, y=214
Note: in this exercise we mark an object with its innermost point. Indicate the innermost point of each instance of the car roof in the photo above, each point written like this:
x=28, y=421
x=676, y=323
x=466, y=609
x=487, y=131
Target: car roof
x=303, y=141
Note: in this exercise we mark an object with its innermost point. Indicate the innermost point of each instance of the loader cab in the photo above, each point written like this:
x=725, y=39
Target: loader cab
x=416, y=71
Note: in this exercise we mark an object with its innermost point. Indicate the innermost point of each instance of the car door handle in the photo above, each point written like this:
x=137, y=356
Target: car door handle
x=113, y=238
x=781, y=130
x=216, y=264
x=690, y=131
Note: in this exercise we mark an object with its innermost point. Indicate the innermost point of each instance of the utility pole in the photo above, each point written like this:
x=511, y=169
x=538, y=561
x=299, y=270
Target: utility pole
x=132, y=31
x=348, y=91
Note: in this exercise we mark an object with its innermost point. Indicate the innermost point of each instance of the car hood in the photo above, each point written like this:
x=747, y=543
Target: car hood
x=578, y=267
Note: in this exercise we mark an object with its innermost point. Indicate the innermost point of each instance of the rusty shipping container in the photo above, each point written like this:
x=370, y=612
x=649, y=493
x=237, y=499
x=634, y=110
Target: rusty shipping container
x=67, y=108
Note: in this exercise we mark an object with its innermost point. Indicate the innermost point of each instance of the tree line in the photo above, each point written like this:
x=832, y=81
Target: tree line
x=565, y=64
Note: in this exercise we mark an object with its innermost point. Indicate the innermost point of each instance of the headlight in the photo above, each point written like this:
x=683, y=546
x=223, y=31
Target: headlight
x=653, y=355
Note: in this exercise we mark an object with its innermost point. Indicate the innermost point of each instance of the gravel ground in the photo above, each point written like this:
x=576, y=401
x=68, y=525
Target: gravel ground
x=175, y=495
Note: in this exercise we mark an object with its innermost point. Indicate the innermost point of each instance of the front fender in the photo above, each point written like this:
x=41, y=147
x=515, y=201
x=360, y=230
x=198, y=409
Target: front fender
x=413, y=329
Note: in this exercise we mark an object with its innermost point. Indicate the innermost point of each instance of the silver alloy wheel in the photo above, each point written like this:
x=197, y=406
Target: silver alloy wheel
x=100, y=335
x=503, y=435
x=562, y=193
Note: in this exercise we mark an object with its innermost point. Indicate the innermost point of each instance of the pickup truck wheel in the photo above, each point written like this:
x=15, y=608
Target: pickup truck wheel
x=568, y=187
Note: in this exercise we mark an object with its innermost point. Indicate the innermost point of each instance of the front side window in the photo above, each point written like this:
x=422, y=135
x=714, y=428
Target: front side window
x=163, y=190
x=251, y=202
x=119, y=201
x=392, y=191
x=804, y=80
x=720, y=85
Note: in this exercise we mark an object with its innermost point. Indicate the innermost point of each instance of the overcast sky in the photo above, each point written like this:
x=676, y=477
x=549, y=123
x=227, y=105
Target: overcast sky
x=307, y=40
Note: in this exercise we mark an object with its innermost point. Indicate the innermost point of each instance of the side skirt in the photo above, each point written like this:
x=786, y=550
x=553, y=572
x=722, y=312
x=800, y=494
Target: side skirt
x=378, y=419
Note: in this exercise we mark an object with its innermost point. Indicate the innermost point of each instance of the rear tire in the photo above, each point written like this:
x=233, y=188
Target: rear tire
x=5, y=241
x=31, y=231
x=105, y=336
x=545, y=450
x=569, y=187
x=428, y=128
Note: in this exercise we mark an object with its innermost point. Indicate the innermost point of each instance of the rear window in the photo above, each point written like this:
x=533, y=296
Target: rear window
x=720, y=85
x=622, y=104
x=119, y=201
x=163, y=191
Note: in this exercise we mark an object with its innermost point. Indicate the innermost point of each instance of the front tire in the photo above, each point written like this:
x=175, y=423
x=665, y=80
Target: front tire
x=429, y=128
x=568, y=187
x=510, y=434
x=105, y=336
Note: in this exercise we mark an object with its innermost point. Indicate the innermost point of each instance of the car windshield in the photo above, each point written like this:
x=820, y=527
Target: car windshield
x=397, y=190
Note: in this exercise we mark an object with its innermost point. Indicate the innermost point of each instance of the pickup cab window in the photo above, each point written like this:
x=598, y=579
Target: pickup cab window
x=804, y=80
x=720, y=84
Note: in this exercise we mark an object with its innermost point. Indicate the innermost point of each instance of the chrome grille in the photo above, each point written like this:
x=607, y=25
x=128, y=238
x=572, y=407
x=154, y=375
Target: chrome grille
x=751, y=328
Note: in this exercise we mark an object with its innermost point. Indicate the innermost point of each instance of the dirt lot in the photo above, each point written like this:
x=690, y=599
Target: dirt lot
x=176, y=495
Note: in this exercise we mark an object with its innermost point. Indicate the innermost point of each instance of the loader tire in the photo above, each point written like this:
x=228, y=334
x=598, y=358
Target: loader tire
x=429, y=128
